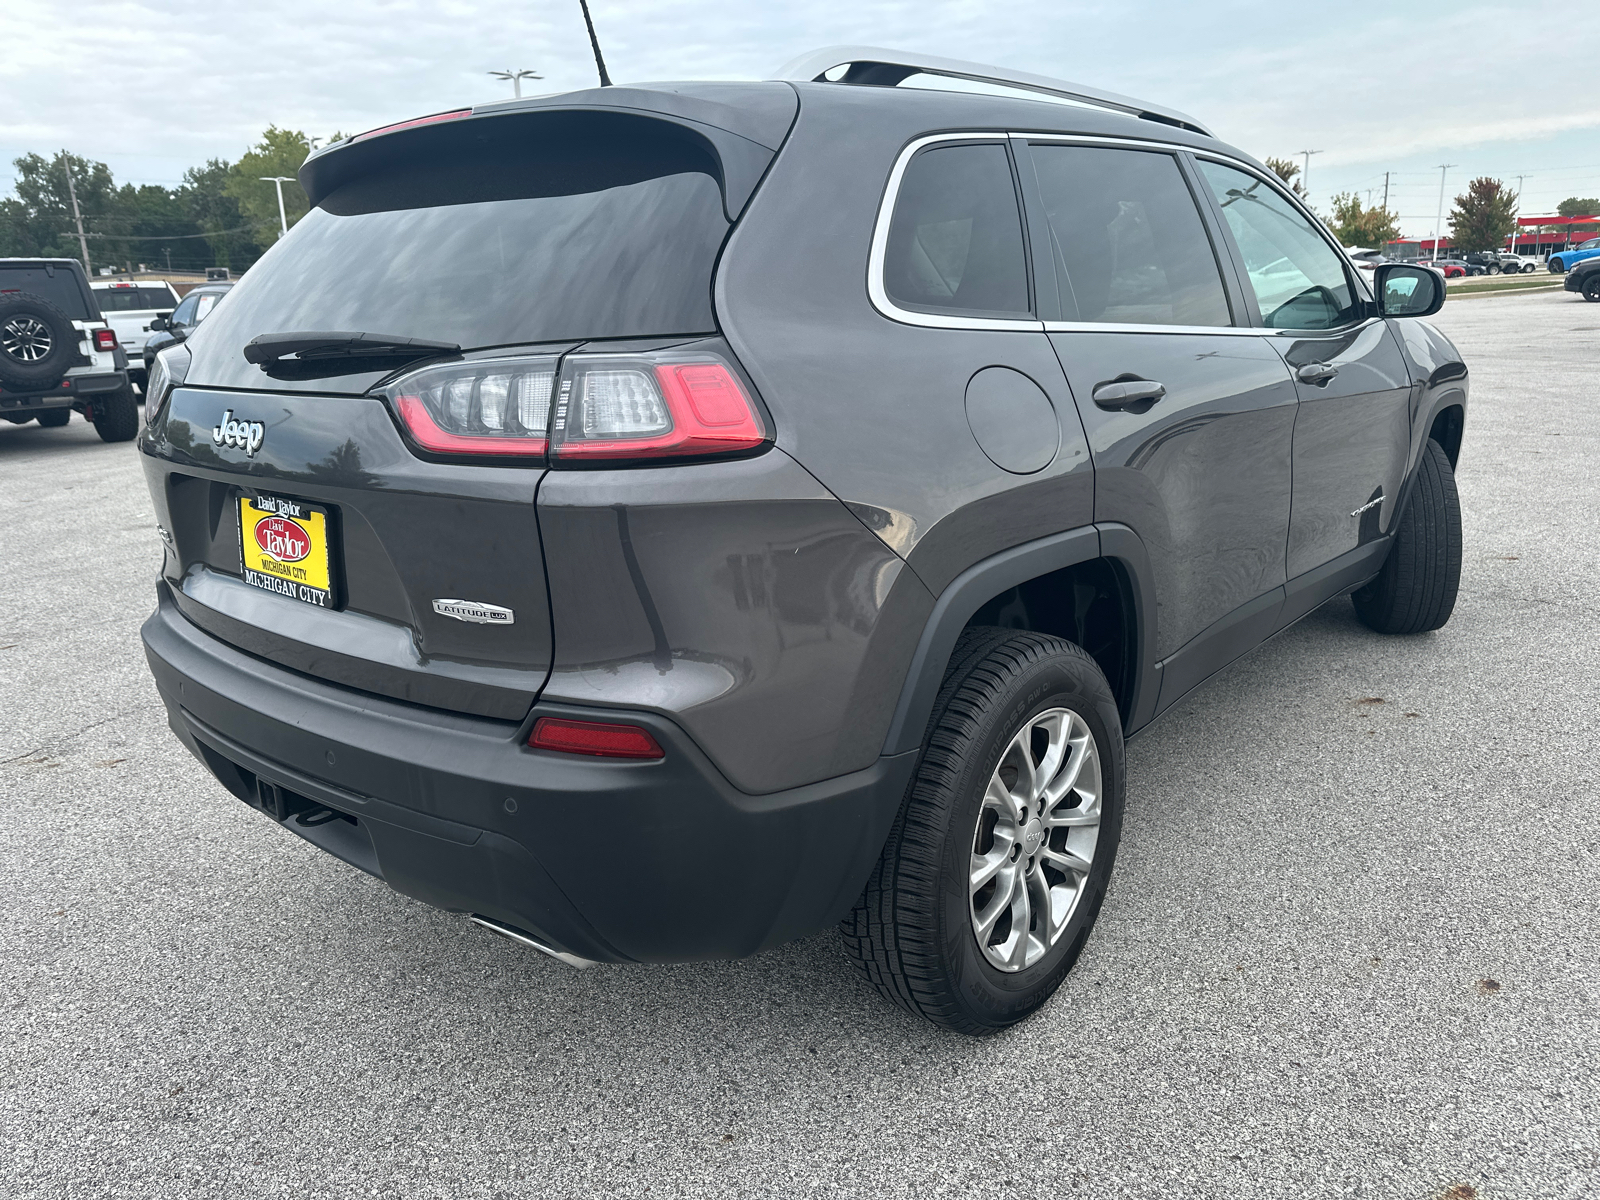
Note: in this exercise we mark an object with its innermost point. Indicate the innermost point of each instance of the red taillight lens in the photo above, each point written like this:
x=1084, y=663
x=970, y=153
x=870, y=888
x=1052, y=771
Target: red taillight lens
x=648, y=407
x=105, y=339
x=498, y=407
x=592, y=737
x=453, y=115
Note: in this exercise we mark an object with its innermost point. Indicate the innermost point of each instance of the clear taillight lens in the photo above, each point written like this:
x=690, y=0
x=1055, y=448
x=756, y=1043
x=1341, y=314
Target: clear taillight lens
x=495, y=406
x=166, y=372
x=652, y=406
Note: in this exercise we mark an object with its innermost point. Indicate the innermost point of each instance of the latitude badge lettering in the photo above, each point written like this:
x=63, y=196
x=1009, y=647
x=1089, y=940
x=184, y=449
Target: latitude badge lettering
x=241, y=435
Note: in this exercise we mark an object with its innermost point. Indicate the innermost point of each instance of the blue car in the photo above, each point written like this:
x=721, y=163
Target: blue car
x=1564, y=260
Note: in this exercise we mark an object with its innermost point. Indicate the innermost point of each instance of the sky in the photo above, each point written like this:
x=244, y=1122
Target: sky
x=1399, y=87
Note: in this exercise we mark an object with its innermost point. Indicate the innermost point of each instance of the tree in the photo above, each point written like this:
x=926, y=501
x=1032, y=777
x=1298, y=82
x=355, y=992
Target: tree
x=216, y=214
x=1287, y=171
x=1357, y=226
x=39, y=220
x=1483, y=216
x=1575, y=206
x=279, y=152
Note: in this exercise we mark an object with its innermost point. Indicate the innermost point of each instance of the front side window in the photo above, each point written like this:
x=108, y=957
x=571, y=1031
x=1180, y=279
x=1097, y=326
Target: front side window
x=184, y=313
x=1299, y=280
x=955, y=242
x=1129, y=244
x=207, y=303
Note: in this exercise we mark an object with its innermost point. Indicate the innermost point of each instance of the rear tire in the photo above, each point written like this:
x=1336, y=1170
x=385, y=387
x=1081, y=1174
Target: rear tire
x=54, y=418
x=116, y=415
x=1039, y=708
x=1416, y=590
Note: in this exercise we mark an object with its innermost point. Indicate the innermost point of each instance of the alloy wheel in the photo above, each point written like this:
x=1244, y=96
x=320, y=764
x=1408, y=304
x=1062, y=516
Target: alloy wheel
x=1034, y=844
x=26, y=339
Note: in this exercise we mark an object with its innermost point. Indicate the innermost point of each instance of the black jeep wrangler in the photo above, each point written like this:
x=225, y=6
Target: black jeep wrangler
x=57, y=353
x=666, y=521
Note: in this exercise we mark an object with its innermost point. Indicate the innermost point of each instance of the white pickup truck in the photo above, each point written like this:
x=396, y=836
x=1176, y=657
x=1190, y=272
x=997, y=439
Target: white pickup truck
x=128, y=308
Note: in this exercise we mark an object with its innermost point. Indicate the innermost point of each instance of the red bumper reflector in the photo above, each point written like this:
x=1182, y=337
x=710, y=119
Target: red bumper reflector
x=592, y=737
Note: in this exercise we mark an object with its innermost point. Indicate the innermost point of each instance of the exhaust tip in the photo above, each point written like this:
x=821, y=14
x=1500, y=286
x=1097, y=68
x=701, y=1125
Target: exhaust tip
x=512, y=934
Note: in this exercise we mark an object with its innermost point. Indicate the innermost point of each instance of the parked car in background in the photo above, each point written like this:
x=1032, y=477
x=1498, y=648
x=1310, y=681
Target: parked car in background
x=194, y=308
x=57, y=354
x=1365, y=259
x=128, y=308
x=1487, y=259
x=1513, y=264
x=1454, y=267
x=1565, y=260
x=1585, y=278
x=799, y=541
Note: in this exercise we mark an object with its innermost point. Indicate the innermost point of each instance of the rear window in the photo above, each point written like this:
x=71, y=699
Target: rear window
x=524, y=232
x=59, y=285
x=133, y=299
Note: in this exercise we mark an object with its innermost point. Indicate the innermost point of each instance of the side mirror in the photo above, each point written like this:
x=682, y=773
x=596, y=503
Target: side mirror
x=1407, y=291
x=157, y=324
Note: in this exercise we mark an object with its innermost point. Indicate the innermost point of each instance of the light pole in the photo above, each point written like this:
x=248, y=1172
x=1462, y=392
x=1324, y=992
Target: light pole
x=516, y=78
x=279, y=181
x=1518, y=209
x=1305, y=172
x=1438, y=222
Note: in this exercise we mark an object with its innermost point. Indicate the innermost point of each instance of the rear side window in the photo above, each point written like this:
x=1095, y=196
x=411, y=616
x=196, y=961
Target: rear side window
x=133, y=299
x=525, y=231
x=1129, y=244
x=955, y=241
x=1299, y=280
x=56, y=284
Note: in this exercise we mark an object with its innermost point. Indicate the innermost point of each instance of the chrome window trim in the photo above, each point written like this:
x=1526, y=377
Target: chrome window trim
x=879, y=295
x=880, y=243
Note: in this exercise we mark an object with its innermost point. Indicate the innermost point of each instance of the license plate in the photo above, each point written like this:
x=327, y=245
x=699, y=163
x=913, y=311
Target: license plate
x=284, y=547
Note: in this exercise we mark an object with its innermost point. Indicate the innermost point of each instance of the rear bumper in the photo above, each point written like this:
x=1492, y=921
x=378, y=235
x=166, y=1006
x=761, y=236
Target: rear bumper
x=609, y=860
x=71, y=388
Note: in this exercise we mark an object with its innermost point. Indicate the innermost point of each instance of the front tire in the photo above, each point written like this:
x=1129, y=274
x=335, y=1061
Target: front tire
x=998, y=862
x=1493, y=270
x=1529, y=268
x=1556, y=267
x=1416, y=590
x=1591, y=287
x=116, y=415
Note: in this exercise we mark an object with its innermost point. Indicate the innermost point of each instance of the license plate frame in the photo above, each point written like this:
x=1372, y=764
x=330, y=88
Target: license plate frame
x=286, y=547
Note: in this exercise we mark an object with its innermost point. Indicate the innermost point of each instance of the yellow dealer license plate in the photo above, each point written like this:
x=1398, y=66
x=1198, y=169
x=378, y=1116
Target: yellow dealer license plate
x=284, y=545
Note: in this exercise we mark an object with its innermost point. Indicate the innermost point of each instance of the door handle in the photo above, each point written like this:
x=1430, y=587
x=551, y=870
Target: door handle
x=1128, y=393
x=1316, y=372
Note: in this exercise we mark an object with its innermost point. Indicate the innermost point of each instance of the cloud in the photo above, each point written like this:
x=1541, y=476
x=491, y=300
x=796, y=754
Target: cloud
x=153, y=88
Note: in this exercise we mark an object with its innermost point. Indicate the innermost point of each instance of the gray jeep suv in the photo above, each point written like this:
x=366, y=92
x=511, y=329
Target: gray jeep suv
x=665, y=521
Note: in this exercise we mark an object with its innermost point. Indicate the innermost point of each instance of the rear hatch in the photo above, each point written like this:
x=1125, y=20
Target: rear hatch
x=309, y=520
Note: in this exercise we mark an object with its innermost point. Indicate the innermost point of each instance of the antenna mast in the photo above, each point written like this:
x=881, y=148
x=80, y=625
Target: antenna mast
x=605, y=80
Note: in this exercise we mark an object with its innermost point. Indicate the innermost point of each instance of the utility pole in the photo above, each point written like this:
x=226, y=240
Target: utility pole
x=280, y=180
x=1438, y=224
x=1386, y=191
x=1305, y=172
x=72, y=192
x=516, y=78
x=1514, y=212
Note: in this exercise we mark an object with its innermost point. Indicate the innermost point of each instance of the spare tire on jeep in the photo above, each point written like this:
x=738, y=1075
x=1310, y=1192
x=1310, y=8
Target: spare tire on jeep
x=37, y=343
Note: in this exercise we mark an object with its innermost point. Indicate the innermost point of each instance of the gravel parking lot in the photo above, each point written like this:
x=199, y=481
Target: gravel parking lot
x=1352, y=947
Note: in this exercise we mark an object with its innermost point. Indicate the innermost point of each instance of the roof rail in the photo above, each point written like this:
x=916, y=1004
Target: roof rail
x=886, y=68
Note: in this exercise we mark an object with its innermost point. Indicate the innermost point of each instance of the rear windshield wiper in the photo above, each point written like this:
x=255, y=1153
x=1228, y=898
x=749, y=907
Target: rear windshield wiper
x=281, y=349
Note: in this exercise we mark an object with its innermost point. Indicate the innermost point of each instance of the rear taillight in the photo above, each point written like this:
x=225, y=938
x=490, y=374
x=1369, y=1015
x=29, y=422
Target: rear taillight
x=585, y=409
x=602, y=740
x=651, y=406
x=166, y=372
x=496, y=406
x=105, y=339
